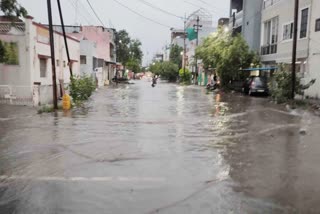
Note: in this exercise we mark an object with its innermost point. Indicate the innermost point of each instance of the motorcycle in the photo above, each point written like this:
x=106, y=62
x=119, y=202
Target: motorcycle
x=212, y=87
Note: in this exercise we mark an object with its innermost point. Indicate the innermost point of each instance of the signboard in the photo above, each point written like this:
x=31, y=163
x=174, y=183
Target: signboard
x=43, y=35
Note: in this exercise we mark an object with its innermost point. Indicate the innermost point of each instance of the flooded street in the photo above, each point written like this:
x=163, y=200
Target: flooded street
x=169, y=149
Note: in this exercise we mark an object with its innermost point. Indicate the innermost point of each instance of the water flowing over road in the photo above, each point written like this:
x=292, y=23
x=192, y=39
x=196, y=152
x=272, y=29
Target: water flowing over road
x=169, y=149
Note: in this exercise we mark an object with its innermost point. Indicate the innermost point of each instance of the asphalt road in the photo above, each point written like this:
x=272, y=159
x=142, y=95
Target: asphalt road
x=169, y=149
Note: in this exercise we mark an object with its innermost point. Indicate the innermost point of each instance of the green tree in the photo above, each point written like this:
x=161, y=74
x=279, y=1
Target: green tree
x=134, y=65
x=167, y=70
x=185, y=75
x=135, y=51
x=122, y=46
x=12, y=8
x=175, y=55
x=129, y=51
x=227, y=54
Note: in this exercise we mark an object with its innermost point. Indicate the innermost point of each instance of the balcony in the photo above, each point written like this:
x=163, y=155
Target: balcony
x=269, y=3
x=269, y=49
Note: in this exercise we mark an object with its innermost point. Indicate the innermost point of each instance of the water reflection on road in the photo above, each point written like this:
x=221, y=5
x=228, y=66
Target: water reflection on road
x=168, y=149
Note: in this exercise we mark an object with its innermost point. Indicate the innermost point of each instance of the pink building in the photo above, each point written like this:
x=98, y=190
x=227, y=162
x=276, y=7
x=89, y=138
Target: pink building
x=97, y=52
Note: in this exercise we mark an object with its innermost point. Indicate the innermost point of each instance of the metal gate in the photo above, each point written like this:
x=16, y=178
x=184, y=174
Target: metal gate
x=16, y=95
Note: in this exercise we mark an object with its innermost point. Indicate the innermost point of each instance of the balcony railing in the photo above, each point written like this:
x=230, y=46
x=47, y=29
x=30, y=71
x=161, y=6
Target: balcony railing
x=269, y=49
x=269, y=3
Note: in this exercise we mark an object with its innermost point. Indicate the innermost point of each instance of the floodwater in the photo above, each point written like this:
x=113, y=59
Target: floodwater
x=169, y=149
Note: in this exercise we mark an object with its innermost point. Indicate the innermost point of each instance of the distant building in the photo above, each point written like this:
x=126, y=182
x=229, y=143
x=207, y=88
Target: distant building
x=98, y=52
x=27, y=77
x=245, y=18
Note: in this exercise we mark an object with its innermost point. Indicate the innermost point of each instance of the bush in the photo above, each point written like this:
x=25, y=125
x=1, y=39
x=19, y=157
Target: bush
x=281, y=85
x=185, y=75
x=81, y=88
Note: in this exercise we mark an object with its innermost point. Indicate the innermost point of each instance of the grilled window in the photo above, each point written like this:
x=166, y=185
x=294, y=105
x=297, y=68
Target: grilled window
x=43, y=67
x=317, y=25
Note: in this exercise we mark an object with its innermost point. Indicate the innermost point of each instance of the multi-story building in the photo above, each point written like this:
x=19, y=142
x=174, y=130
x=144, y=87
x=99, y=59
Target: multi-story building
x=245, y=18
x=277, y=38
x=26, y=78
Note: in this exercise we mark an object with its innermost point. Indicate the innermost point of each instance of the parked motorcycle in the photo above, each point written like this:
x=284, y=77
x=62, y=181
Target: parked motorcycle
x=213, y=86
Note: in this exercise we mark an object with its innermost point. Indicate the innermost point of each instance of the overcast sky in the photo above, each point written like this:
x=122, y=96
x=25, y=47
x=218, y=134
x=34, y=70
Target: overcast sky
x=112, y=14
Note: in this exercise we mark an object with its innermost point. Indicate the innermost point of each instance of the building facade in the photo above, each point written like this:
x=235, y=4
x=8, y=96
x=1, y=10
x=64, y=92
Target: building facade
x=28, y=79
x=98, y=52
x=277, y=38
x=245, y=18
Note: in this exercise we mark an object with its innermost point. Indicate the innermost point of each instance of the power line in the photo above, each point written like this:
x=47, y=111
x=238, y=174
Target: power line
x=95, y=13
x=135, y=12
x=160, y=9
x=72, y=3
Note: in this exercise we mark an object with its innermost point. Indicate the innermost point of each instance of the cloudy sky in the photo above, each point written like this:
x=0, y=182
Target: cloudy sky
x=126, y=16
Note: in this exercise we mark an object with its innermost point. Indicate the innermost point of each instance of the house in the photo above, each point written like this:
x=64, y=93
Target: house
x=245, y=18
x=277, y=38
x=98, y=51
x=27, y=77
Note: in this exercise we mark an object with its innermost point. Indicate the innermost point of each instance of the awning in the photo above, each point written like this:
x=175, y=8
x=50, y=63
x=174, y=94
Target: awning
x=260, y=69
x=43, y=56
x=110, y=62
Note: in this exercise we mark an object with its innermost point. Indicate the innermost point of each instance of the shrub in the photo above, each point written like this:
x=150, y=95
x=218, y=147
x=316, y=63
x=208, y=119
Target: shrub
x=81, y=88
x=185, y=75
x=281, y=85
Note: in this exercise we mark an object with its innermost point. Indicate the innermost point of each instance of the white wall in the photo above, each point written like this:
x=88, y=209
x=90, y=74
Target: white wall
x=314, y=53
x=88, y=49
x=284, y=10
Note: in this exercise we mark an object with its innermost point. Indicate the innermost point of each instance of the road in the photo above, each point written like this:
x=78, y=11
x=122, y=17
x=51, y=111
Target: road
x=169, y=149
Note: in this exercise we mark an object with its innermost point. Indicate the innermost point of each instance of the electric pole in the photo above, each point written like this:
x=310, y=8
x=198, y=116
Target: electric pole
x=184, y=47
x=294, y=48
x=197, y=43
x=65, y=38
x=53, y=59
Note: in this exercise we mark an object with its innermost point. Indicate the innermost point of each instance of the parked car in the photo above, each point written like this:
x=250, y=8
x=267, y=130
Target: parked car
x=255, y=85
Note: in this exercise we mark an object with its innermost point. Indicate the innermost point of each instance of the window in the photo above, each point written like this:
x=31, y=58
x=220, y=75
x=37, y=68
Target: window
x=64, y=64
x=317, y=25
x=270, y=36
x=288, y=31
x=304, y=23
x=58, y=62
x=43, y=67
x=83, y=60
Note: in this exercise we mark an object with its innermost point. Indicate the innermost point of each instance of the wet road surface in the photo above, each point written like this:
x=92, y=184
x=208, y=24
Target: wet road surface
x=168, y=149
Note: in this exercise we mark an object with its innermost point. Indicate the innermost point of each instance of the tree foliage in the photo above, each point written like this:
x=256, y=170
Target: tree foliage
x=281, y=85
x=228, y=54
x=12, y=8
x=129, y=51
x=167, y=70
x=175, y=55
x=185, y=75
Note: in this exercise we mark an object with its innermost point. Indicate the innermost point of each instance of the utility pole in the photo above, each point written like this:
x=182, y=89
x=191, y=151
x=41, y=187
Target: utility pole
x=184, y=47
x=53, y=59
x=65, y=38
x=197, y=43
x=294, y=48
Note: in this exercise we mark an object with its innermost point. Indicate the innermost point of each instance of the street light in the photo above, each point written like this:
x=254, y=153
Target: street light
x=226, y=29
x=181, y=53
